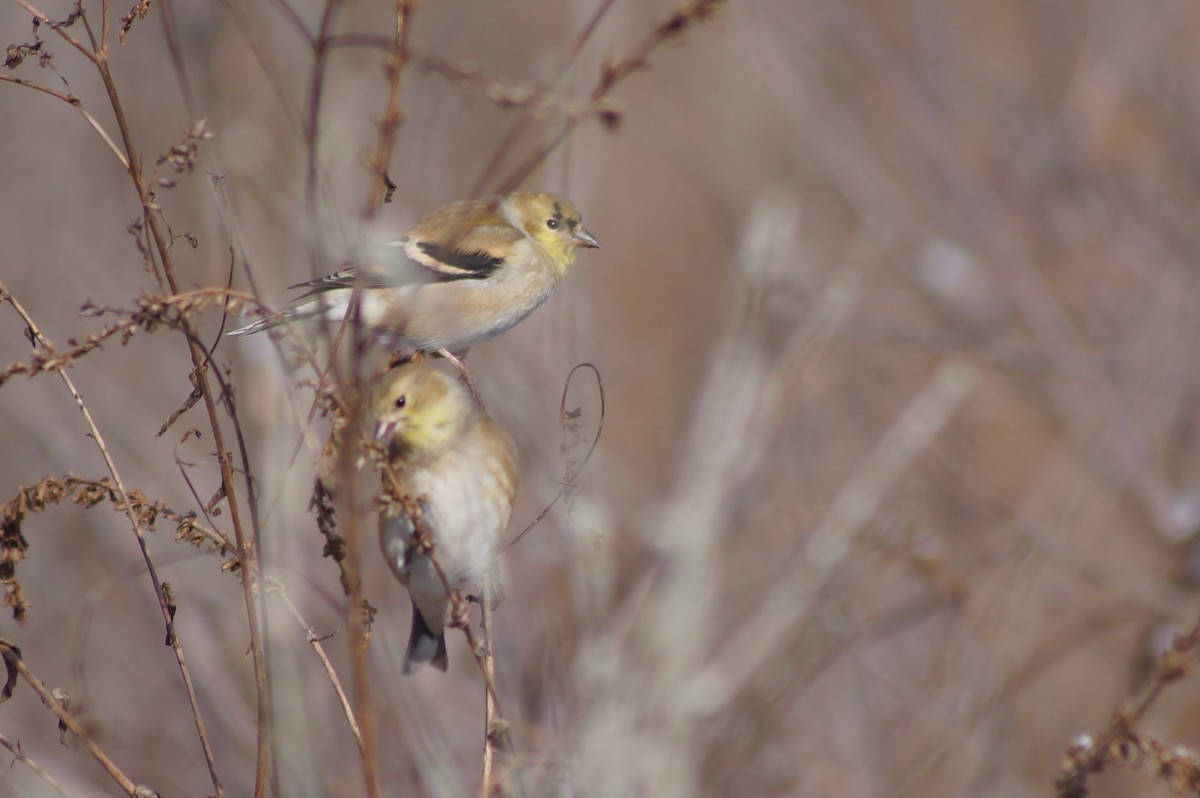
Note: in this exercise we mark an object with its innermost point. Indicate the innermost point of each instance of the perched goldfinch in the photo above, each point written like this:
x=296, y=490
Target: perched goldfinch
x=447, y=455
x=473, y=270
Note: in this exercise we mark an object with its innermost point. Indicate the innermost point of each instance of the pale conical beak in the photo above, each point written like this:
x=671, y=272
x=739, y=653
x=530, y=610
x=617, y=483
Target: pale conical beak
x=383, y=430
x=585, y=239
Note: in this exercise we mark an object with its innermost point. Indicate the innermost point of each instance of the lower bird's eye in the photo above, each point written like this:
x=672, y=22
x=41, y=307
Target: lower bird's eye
x=552, y=224
x=401, y=401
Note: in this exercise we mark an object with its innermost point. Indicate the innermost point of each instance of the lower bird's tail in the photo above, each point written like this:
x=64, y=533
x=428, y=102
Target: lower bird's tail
x=424, y=646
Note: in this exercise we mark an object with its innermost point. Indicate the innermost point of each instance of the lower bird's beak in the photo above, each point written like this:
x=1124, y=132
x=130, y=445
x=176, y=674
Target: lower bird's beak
x=383, y=430
x=585, y=239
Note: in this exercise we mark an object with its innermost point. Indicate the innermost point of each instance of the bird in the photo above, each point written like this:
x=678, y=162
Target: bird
x=469, y=271
x=447, y=455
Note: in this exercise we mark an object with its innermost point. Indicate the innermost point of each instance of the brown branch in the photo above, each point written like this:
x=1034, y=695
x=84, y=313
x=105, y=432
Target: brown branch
x=12, y=660
x=393, y=67
x=74, y=102
x=537, y=101
x=151, y=314
x=165, y=606
x=347, y=472
x=315, y=641
x=672, y=26
x=59, y=27
x=247, y=556
x=521, y=122
x=493, y=723
x=1121, y=745
x=247, y=552
x=87, y=493
x=27, y=761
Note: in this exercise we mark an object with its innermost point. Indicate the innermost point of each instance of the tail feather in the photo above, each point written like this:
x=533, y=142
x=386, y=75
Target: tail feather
x=332, y=305
x=265, y=323
x=424, y=646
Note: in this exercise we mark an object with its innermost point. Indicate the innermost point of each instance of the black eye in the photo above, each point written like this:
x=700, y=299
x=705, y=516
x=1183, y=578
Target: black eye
x=552, y=224
x=401, y=400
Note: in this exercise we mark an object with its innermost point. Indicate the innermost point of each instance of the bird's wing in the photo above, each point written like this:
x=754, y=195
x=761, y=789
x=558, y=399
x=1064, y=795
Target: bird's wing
x=463, y=241
x=474, y=254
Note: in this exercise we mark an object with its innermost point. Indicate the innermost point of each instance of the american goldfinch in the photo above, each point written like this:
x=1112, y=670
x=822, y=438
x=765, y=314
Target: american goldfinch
x=474, y=269
x=446, y=455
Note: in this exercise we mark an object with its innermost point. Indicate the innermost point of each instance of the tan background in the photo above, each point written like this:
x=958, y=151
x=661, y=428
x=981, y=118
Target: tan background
x=1011, y=185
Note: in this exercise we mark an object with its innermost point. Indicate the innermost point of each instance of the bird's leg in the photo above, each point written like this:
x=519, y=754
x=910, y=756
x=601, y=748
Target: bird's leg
x=467, y=379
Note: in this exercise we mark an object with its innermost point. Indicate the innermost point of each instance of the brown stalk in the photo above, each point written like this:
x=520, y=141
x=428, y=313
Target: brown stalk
x=247, y=555
x=315, y=641
x=12, y=659
x=24, y=759
x=1110, y=747
x=522, y=122
x=673, y=25
x=165, y=606
x=491, y=713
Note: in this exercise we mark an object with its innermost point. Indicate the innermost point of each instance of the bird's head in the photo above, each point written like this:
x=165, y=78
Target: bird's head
x=419, y=411
x=553, y=223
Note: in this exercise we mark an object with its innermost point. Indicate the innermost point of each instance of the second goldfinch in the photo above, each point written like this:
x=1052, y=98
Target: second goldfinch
x=472, y=270
x=445, y=453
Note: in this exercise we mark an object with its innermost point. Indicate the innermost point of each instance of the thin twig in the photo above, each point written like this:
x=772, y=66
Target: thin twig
x=247, y=556
x=490, y=716
x=27, y=761
x=12, y=658
x=675, y=24
x=248, y=553
x=165, y=606
x=89, y=54
x=522, y=121
x=315, y=641
x=389, y=123
x=74, y=102
x=573, y=470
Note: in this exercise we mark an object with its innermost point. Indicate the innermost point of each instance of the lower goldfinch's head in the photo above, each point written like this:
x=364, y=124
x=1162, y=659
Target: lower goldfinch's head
x=551, y=221
x=420, y=411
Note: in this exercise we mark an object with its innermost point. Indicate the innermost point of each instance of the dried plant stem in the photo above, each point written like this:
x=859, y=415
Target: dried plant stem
x=573, y=469
x=165, y=606
x=392, y=118
x=671, y=26
x=74, y=102
x=1120, y=742
x=13, y=660
x=347, y=473
x=247, y=553
x=248, y=550
x=522, y=122
x=23, y=758
x=315, y=641
x=312, y=120
x=489, y=703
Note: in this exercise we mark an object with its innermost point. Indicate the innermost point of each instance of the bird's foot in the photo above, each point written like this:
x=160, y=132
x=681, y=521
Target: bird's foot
x=464, y=373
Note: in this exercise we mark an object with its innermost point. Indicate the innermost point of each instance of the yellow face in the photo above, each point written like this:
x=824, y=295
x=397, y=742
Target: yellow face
x=554, y=223
x=419, y=410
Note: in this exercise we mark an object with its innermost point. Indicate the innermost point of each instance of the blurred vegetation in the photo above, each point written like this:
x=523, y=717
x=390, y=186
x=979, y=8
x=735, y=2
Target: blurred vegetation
x=897, y=492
